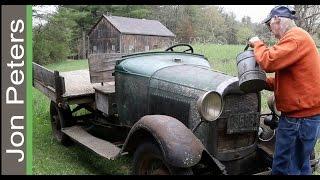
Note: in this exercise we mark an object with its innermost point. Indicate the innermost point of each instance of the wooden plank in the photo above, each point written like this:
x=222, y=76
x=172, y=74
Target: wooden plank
x=101, y=66
x=73, y=87
x=46, y=90
x=101, y=147
x=102, y=102
x=104, y=96
x=48, y=82
x=77, y=83
x=108, y=88
x=105, y=76
x=80, y=100
x=43, y=75
x=58, y=86
x=62, y=84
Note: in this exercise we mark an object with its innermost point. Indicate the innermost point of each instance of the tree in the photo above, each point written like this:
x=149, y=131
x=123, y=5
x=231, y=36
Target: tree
x=54, y=40
x=263, y=33
x=51, y=41
x=231, y=28
x=246, y=20
x=308, y=18
x=244, y=32
x=210, y=24
x=185, y=30
x=167, y=15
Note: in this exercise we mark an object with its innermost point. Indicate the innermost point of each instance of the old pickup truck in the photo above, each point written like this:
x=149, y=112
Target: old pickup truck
x=169, y=110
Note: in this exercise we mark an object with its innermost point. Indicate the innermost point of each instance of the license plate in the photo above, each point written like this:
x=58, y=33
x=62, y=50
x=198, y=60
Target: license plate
x=245, y=122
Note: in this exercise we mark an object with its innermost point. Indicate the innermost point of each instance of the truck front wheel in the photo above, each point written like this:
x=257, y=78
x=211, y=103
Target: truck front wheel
x=148, y=160
x=56, y=119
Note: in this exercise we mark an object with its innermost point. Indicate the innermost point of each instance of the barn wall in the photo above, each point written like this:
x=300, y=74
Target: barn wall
x=104, y=38
x=140, y=43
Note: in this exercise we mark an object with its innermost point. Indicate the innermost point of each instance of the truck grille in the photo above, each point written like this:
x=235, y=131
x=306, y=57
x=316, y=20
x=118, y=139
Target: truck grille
x=236, y=104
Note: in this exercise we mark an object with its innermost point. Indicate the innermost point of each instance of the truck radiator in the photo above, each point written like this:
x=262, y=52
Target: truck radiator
x=236, y=104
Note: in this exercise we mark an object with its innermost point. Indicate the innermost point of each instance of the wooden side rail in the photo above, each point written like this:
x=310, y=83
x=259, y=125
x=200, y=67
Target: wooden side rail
x=48, y=82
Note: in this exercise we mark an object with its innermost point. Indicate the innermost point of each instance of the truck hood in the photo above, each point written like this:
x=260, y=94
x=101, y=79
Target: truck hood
x=146, y=64
x=192, y=76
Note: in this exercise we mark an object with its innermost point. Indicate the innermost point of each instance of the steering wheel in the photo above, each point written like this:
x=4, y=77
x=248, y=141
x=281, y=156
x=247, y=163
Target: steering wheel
x=178, y=45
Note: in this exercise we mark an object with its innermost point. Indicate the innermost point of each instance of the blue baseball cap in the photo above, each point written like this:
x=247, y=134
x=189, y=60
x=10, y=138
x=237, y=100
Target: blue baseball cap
x=281, y=11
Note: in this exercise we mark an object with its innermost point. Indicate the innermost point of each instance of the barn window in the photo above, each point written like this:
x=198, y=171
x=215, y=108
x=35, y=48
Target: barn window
x=113, y=47
x=99, y=33
x=146, y=48
x=94, y=48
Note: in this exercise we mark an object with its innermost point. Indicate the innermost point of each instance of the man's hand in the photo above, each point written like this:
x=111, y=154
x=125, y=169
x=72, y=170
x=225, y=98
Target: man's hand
x=253, y=40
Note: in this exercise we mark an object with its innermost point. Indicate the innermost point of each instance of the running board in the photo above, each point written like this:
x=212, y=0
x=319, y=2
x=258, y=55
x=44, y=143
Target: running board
x=99, y=146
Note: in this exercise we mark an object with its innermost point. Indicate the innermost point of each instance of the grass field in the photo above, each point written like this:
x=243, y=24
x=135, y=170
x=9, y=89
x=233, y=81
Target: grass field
x=50, y=157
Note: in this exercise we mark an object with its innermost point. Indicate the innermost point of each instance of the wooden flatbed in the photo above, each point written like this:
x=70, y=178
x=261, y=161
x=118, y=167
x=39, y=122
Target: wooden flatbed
x=77, y=84
x=72, y=87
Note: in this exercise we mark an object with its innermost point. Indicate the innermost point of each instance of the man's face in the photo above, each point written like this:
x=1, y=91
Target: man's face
x=274, y=26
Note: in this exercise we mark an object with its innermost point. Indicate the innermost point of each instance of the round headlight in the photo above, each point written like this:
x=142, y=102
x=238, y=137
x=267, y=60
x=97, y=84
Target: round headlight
x=210, y=106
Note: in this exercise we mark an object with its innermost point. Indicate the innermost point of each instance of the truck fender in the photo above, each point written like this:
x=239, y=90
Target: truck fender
x=180, y=147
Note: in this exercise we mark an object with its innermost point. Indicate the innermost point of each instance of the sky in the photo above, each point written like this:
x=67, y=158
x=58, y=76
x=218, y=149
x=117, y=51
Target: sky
x=256, y=12
x=43, y=9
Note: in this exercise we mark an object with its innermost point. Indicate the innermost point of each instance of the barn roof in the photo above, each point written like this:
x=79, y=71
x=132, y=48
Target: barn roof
x=138, y=26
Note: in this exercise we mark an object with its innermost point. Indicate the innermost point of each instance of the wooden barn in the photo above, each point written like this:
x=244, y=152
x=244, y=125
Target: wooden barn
x=114, y=34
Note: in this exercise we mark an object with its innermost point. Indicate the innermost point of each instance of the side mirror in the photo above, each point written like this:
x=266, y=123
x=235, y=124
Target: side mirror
x=272, y=106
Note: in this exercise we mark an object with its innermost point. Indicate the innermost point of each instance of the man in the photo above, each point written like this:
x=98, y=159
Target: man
x=296, y=85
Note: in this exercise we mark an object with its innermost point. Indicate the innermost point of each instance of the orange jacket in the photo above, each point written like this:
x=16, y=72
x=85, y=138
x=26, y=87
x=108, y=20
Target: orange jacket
x=296, y=63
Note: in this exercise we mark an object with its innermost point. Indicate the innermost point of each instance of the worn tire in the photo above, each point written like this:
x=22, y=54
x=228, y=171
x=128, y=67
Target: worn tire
x=56, y=124
x=149, y=154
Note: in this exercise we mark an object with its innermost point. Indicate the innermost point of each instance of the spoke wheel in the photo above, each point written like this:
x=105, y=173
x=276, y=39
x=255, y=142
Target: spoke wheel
x=152, y=165
x=148, y=160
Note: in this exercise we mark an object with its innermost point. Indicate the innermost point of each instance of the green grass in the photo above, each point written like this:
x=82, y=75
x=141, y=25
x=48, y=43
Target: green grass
x=50, y=157
x=69, y=65
x=221, y=57
x=317, y=150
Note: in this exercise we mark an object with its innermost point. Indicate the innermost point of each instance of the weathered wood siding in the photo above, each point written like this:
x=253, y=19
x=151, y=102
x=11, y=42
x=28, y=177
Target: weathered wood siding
x=101, y=66
x=140, y=43
x=48, y=82
x=104, y=38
